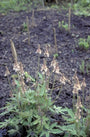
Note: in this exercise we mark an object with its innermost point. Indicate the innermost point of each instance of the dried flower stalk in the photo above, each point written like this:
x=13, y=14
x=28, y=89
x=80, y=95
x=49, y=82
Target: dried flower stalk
x=14, y=53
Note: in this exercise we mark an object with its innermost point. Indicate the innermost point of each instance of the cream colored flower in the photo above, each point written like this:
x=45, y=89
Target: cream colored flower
x=53, y=63
x=21, y=69
x=77, y=85
x=6, y=72
x=76, y=88
x=16, y=66
x=78, y=109
x=63, y=79
x=46, y=52
x=44, y=68
x=75, y=91
x=78, y=115
x=78, y=104
x=39, y=50
x=55, y=66
x=83, y=84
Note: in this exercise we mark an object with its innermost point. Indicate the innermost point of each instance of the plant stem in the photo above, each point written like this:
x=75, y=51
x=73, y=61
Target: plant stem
x=55, y=40
x=28, y=30
x=69, y=20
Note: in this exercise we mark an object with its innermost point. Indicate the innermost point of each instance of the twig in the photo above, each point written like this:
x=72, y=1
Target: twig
x=69, y=20
x=55, y=40
x=27, y=20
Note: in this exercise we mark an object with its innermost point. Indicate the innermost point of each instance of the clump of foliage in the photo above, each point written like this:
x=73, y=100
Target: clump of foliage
x=17, y=5
x=24, y=26
x=29, y=110
x=76, y=123
x=63, y=25
x=82, y=7
x=84, y=43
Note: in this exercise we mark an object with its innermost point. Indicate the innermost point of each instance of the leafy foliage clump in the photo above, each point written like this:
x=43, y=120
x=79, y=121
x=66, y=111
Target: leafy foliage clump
x=84, y=43
x=31, y=110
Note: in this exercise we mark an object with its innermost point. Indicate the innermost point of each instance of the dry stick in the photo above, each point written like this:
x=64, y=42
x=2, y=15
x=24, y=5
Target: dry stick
x=33, y=20
x=28, y=30
x=55, y=40
x=69, y=20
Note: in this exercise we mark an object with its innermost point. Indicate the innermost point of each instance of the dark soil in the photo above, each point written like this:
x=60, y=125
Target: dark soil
x=69, y=55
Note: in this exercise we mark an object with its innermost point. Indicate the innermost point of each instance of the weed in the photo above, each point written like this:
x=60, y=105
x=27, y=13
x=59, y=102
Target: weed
x=24, y=26
x=55, y=55
x=62, y=25
x=84, y=43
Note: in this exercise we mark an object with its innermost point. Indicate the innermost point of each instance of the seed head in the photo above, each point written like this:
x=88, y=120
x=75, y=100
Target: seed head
x=14, y=53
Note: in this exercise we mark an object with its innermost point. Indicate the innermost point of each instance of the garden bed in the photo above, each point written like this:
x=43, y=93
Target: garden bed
x=70, y=56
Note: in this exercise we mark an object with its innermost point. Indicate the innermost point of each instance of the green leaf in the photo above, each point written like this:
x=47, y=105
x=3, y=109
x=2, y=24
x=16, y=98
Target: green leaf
x=40, y=76
x=46, y=133
x=69, y=128
x=56, y=131
x=17, y=83
x=59, y=110
x=70, y=112
x=12, y=131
